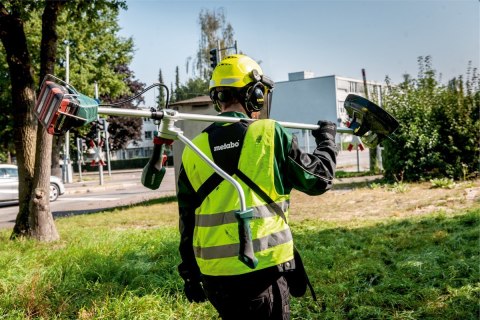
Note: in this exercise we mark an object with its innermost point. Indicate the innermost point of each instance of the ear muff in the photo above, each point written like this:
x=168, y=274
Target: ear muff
x=254, y=97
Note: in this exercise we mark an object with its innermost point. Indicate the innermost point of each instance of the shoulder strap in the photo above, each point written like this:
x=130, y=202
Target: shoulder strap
x=265, y=197
x=221, y=137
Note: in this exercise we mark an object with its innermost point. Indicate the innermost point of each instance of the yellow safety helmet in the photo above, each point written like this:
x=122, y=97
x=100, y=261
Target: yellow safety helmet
x=241, y=72
x=234, y=71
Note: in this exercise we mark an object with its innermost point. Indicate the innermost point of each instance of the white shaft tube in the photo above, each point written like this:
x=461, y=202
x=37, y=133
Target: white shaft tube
x=208, y=118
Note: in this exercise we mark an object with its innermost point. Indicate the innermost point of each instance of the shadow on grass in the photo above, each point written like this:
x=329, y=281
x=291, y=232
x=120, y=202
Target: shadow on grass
x=151, y=202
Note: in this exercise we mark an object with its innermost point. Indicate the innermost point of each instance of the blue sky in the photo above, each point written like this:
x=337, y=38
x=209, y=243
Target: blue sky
x=325, y=37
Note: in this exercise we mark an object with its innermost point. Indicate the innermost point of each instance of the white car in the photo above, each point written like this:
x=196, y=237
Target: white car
x=9, y=184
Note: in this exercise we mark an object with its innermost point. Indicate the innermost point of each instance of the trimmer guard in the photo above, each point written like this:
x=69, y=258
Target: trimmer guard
x=369, y=121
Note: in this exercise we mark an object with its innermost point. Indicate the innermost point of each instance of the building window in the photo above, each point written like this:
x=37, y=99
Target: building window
x=148, y=135
x=353, y=86
x=341, y=108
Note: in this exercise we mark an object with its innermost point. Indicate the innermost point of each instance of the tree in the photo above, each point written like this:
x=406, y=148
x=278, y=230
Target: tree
x=12, y=35
x=177, y=85
x=161, y=93
x=7, y=147
x=96, y=52
x=33, y=146
x=193, y=88
x=214, y=29
x=439, y=127
x=123, y=130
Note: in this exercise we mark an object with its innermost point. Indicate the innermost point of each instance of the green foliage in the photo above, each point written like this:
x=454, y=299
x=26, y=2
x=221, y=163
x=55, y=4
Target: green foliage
x=96, y=52
x=214, y=29
x=398, y=187
x=161, y=99
x=443, y=183
x=122, y=264
x=348, y=174
x=439, y=127
x=193, y=88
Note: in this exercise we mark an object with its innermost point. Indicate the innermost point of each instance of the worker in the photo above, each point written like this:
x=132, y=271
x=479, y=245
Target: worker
x=267, y=162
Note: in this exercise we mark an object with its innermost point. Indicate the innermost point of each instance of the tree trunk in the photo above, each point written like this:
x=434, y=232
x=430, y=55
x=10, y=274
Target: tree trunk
x=34, y=155
x=40, y=220
x=14, y=41
x=42, y=226
x=48, y=54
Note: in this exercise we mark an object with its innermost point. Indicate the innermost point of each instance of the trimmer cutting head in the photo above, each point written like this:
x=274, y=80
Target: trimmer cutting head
x=369, y=121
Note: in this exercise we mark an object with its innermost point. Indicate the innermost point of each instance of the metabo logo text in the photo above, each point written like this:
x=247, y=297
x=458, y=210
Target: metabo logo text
x=226, y=145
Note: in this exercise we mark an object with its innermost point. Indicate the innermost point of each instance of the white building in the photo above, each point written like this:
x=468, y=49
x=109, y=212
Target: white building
x=307, y=99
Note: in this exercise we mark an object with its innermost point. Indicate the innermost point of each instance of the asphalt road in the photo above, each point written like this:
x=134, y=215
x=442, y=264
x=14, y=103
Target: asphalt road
x=124, y=188
x=120, y=189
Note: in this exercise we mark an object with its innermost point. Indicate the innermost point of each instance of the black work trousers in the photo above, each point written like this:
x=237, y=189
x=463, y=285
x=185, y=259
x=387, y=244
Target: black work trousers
x=258, y=295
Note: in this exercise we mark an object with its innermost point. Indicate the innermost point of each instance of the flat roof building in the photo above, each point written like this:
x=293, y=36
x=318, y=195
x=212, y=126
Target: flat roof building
x=307, y=99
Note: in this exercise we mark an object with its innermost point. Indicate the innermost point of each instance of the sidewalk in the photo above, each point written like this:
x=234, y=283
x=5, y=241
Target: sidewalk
x=118, y=179
x=132, y=178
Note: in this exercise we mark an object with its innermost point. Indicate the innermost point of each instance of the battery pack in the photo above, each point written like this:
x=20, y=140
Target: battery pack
x=59, y=107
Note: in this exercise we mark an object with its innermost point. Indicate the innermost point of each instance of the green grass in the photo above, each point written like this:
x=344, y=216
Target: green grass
x=122, y=264
x=339, y=174
x=424, y=268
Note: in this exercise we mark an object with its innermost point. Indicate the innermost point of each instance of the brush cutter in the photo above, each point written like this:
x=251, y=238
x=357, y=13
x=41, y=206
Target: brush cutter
x=60, y=107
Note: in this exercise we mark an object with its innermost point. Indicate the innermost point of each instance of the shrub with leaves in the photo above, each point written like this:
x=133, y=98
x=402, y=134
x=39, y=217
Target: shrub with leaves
x=439, y=131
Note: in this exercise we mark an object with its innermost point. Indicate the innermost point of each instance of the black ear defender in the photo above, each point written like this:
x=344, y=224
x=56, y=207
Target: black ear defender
x=254, y=97
x=255, y=94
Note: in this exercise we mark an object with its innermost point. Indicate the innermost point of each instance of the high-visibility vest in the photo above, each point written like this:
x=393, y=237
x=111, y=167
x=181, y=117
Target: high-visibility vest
x=216, y=239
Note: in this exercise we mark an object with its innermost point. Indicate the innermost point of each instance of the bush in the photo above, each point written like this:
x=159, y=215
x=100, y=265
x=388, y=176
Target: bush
x=439, y=127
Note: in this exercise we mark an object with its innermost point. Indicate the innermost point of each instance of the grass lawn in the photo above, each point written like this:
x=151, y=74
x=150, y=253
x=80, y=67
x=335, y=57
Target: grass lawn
x=373, y=251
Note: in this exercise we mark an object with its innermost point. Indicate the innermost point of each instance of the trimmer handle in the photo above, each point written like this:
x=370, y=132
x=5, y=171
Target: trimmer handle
x=246, y=253
x=154, y=171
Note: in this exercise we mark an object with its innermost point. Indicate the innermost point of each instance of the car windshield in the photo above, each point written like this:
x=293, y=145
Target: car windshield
x=8, y=173
x=11, y=172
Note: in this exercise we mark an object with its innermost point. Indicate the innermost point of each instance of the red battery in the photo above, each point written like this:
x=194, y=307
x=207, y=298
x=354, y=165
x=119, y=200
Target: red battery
x=49, y=102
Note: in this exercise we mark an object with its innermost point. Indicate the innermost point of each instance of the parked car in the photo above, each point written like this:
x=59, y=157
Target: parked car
x=9, y=184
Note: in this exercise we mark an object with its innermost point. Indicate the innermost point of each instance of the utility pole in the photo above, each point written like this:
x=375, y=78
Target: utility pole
x=99, y=141
x=67, y=166
x=79, y=157
x=107, y=144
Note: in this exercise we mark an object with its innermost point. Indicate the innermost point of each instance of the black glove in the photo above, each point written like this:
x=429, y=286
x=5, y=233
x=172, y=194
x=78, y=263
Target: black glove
x=326, y=131
x=194, y=291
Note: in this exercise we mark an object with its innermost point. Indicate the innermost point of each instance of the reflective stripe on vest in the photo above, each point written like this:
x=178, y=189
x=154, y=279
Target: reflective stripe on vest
x=215, y=240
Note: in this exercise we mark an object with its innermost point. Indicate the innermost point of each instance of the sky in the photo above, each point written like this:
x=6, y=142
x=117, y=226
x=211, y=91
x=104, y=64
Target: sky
x=384, y=37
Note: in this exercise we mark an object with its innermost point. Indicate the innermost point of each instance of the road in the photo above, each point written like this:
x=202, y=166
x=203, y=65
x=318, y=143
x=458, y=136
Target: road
x=347, y=160
x=85, y=197
x=124, y=187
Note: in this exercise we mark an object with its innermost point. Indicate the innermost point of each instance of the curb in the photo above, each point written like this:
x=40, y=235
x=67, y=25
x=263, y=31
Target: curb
x=93, y=188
